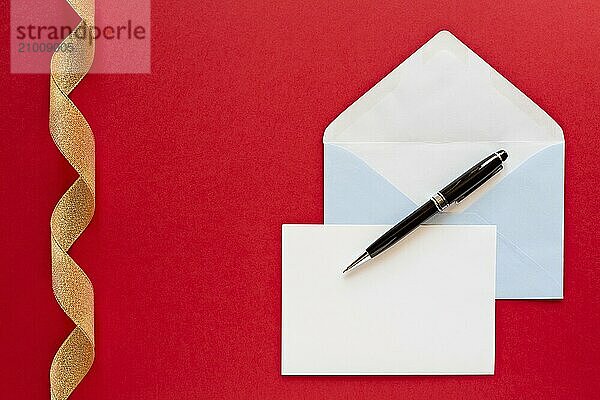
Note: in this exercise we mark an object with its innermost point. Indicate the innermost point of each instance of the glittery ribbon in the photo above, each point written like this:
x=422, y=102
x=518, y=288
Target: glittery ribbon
x=73, y=212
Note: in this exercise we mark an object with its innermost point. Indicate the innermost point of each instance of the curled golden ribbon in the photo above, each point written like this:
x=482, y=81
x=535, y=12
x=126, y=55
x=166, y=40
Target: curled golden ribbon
x=73, y=212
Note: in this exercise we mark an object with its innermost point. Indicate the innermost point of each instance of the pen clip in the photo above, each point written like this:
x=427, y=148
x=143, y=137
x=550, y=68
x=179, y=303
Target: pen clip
x=478, y=184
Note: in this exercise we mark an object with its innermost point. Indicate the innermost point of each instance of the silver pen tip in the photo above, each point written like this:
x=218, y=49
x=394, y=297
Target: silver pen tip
x=363, y=257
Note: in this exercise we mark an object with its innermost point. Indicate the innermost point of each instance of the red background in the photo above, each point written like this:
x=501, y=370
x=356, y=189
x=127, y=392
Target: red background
x=200, y=162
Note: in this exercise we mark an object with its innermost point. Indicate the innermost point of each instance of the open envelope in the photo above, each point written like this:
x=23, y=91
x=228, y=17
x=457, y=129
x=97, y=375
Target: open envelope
x=433, y=117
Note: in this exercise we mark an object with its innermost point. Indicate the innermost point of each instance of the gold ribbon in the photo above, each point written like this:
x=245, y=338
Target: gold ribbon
x=73, y=212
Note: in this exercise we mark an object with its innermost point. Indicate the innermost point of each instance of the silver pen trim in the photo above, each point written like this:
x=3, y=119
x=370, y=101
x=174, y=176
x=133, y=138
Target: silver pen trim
x=360, y=260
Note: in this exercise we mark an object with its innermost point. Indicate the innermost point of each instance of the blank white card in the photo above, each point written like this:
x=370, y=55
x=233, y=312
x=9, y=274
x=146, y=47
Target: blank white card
x=424, y=307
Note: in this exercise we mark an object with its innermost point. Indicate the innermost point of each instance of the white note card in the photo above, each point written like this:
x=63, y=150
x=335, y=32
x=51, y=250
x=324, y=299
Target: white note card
x=424, y=307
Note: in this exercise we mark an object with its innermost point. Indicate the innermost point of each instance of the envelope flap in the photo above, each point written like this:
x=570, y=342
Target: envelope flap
x=442, y=93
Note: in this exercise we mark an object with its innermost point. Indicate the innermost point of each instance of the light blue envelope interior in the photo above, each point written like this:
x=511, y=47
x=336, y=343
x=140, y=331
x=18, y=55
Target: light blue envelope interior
x=526, y=206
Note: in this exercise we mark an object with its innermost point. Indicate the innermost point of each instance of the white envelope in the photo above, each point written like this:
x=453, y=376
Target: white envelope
x=433, y=117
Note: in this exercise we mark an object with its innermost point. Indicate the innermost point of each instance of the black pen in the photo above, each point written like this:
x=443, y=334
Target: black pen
x=455, y=192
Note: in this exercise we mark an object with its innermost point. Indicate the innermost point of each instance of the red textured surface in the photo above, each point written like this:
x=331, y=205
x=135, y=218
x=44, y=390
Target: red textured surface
x=199, y=163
